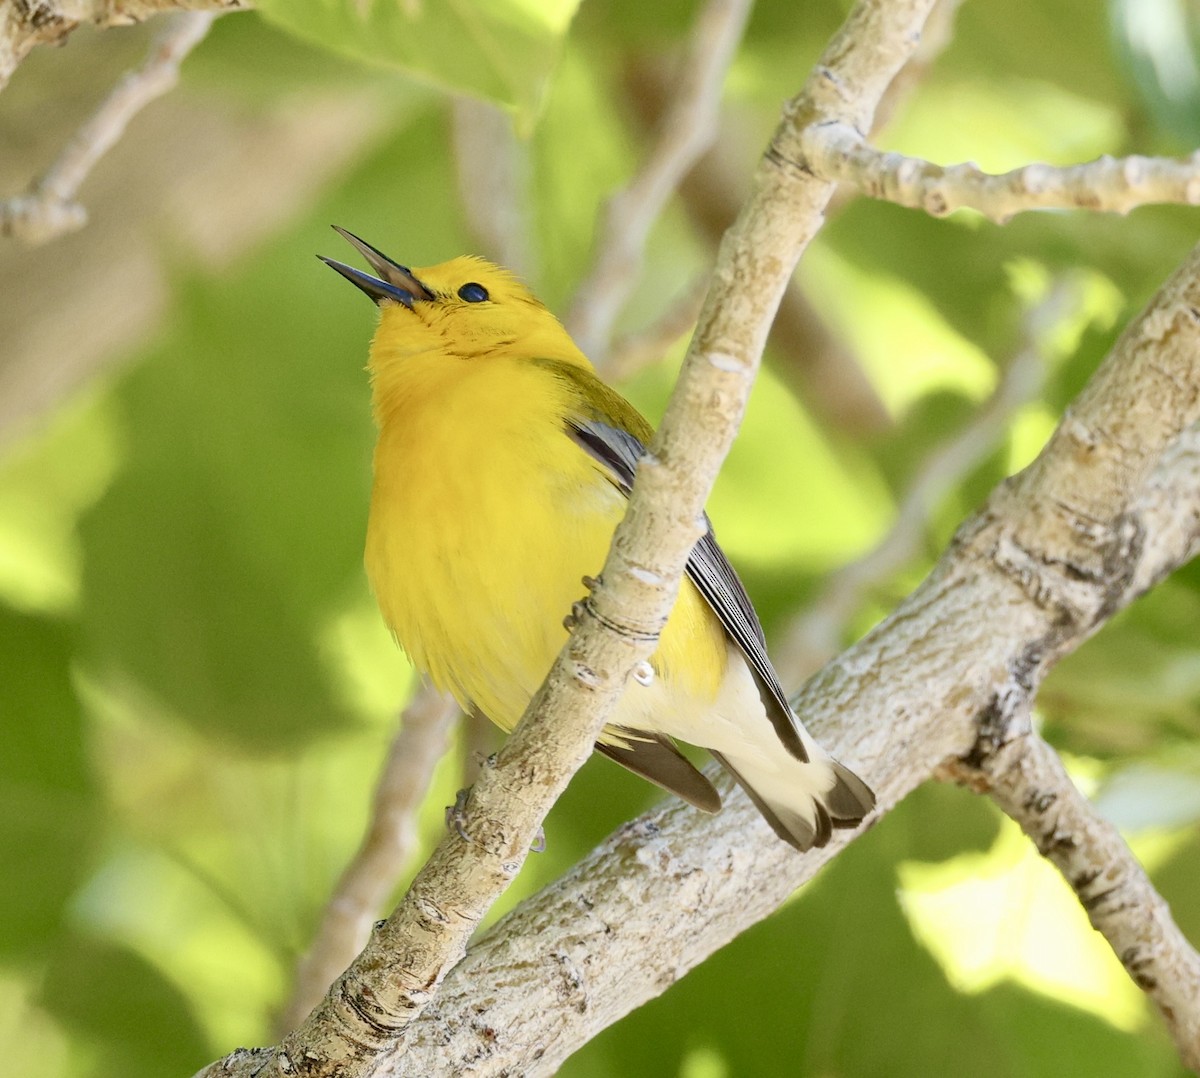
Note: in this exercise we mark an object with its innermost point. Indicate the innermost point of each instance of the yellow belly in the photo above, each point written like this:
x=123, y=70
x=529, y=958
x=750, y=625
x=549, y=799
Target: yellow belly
x=485, y=516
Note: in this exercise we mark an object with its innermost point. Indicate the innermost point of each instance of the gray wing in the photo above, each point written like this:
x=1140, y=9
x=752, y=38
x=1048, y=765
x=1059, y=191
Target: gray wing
x=654, y=757
x=708, y=568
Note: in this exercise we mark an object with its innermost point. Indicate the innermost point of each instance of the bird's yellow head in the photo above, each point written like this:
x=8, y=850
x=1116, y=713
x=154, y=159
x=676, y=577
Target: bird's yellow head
x=467, y=309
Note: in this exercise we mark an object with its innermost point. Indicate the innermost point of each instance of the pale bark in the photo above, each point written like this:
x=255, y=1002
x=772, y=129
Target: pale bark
x=26, y=25
x=1110, y=506
x=373, y=873
x=1117, y=185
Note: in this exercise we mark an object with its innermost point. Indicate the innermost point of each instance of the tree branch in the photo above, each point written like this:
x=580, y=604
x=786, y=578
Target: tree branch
x=49, y=209
x=371, y=876
x=935, y=37
x=1026, y=778
x=816, y=634
x=372, y=1005
x=687, y=130
x=48, y=22
x=839, y=152
x=1110, y=506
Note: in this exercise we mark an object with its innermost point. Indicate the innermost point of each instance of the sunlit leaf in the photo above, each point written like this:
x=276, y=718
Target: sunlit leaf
x=503, y=50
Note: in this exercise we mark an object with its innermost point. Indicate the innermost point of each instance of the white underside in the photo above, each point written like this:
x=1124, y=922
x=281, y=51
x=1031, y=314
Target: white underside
x=735, y=725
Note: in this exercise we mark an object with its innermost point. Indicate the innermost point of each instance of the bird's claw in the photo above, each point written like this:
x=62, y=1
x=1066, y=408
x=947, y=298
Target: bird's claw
x=575, y=616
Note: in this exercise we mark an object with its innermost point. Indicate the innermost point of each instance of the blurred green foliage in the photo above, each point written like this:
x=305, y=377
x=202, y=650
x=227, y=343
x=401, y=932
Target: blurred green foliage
x=195, y=692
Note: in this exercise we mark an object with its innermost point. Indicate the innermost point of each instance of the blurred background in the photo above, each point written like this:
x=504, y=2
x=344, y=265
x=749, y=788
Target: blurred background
x=196, y=693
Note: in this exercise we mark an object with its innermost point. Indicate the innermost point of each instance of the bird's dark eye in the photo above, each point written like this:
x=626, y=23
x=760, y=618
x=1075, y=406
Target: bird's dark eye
x=473, y=293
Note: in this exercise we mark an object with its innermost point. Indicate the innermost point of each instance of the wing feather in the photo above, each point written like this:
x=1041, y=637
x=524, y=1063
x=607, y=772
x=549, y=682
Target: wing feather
x=655, y=757
x=708, y=568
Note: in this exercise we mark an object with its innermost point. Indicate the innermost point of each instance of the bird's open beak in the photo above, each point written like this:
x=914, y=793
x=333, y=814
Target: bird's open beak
x=395, y=282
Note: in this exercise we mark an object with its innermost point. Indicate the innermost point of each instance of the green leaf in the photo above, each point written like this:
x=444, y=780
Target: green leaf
x=501, y=50
x=235, y=526
x=48, y=808
x=136, y=1022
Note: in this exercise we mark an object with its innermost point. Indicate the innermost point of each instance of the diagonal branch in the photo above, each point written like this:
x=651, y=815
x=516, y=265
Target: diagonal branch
x=49, y=209
x=373, y=873
x=1026, y=778
x=1111, y=505
x=48, y=22
x=838, y=152
x=372, y=1005
x=687, y=129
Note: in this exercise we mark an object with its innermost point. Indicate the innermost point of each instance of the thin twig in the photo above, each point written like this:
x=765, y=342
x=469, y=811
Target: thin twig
x=686, y=132
x=935, y=38
x=49, y=208
x=1026, y=778
x=838, y=152
x=373, y=873
x=817, y=633
x=25, y=25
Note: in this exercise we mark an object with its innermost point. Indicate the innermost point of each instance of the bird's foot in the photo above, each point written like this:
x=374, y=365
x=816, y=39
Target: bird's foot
x=573, y=618
x=581, y=606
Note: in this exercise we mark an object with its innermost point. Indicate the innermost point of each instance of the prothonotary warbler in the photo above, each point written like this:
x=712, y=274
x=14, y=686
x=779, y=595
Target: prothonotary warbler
x=502, y=466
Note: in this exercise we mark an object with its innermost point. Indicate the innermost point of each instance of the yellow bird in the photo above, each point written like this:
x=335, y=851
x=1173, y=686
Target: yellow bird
x=502, y=467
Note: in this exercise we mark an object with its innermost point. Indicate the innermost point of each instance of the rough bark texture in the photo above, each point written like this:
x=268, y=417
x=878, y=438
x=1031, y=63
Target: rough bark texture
x=27, y=23
x=1108, y=183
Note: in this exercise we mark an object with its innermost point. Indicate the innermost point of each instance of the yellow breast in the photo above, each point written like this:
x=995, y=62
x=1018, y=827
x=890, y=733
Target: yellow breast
x=484, y=518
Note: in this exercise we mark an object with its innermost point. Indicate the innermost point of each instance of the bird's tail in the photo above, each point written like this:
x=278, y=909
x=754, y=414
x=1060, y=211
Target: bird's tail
x=803, y=802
